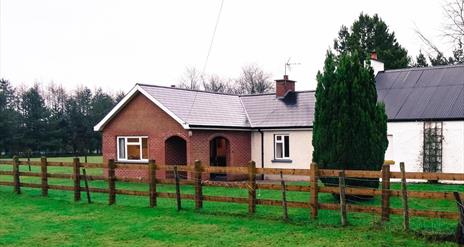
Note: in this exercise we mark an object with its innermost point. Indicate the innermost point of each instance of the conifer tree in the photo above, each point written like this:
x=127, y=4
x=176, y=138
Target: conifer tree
x=368, y=34
x=350, y=127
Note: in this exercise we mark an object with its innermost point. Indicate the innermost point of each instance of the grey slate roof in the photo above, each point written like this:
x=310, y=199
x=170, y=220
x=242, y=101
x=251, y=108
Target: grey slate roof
x=422, y=93
x=431, y=93
x=199, y=108
x=296, y=110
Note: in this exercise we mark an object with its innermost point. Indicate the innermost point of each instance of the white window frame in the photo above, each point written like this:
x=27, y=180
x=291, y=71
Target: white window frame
x=282, y=140
x=141, y=160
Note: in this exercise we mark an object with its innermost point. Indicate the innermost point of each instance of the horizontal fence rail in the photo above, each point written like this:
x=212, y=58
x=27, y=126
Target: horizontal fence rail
x=196, y=173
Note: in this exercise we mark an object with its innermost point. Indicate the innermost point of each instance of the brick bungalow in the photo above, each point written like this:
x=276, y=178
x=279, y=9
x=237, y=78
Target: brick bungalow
x=176, y=126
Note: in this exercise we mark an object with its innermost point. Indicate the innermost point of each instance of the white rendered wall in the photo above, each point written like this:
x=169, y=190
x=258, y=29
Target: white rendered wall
x=405, y=145
x=406, y=140
x=453, y=146
x=301, y=149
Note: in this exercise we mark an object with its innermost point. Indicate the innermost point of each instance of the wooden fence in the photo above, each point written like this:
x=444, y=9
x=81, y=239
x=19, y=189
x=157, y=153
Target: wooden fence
x=251, y=185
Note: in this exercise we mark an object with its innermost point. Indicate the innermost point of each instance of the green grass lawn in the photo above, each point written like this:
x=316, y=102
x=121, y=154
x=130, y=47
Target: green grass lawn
x=30, y=219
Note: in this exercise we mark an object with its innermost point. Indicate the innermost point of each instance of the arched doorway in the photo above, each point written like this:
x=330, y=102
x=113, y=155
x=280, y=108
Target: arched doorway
x=219, y=155
x=175, y=154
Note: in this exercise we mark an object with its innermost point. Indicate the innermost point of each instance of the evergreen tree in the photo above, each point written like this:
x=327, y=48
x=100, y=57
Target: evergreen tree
x=8, y=117
x=101, y=104
x=440, y=59
x=119, y=96
x=369, y=34
x=78, y=118
x=350, y=127
x=421, y=61
x=56, y=103
x=35, y=118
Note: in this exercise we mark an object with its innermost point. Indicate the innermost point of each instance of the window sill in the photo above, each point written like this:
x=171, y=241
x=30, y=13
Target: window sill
x=281, y=161
x=132, y=161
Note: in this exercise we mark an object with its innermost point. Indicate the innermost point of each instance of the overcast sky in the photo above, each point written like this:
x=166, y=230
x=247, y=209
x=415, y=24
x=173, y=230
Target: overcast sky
x=114, y=44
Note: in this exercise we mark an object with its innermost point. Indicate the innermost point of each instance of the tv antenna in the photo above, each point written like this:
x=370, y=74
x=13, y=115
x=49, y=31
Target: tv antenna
x=289, y=65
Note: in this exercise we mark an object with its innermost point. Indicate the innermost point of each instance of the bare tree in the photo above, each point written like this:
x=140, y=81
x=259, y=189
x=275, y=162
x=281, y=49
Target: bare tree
x=191, y=79
x=55, y=98
x=254, y=80
x=214, y=83
x=454, y=26
x=453, y=31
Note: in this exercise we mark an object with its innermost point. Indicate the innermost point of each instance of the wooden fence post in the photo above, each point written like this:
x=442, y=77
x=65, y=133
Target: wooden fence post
x=314, y=173
x=29, y=162
x=16, y=181
x=111, y=182
x=341, y=184
x=77, y=179
x=460, y=227
x=284, y=196
x=152, y=182
x=44, y=177
x=198, y=185
x=404, y=194
x=385, y=192
x=86, y=184
x=178, y=199
x=251, y=187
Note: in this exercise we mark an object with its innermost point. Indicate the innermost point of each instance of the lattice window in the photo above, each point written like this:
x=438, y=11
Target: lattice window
x=433, y=147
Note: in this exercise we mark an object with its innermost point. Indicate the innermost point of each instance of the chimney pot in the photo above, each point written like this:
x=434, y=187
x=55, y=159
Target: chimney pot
x=173, y=85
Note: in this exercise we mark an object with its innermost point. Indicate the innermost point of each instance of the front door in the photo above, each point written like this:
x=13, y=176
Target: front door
x=219, y=150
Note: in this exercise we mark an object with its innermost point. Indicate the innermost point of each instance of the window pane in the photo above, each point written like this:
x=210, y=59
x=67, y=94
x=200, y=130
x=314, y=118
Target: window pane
x=144, y=148
x=133, y=152
x=122, y=148
x=278, y=151
x=278, y=138
x=287, y=146
x=133, y=139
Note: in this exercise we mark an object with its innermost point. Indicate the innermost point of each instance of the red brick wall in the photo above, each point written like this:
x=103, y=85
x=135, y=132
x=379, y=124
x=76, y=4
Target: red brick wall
x=141, y=117
x=239, y=146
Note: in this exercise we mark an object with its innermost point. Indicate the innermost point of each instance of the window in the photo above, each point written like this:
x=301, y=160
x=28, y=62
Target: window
x=282, y=146
x=133, y=148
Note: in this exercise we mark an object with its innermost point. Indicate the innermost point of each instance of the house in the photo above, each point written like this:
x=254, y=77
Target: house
x=425, y=108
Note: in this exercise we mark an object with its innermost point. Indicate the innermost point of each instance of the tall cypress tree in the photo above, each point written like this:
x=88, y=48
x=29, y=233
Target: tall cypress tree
x=350, y=127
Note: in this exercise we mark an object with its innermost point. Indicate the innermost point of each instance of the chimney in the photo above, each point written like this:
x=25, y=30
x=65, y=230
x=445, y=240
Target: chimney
x=173, y=85
x=376, y=65
x=284, y=86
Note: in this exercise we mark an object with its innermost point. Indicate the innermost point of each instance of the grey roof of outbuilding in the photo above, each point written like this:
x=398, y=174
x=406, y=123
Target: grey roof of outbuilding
x=199, y=108
x=430, y=93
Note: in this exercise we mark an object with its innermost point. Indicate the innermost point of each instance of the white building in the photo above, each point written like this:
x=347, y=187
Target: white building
x=417, y=101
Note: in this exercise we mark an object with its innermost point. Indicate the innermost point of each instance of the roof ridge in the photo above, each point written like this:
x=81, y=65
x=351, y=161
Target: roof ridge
x=265, y=94
x=424, y=68
x=220, y=93
x=246, y=112
x=186, y=89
